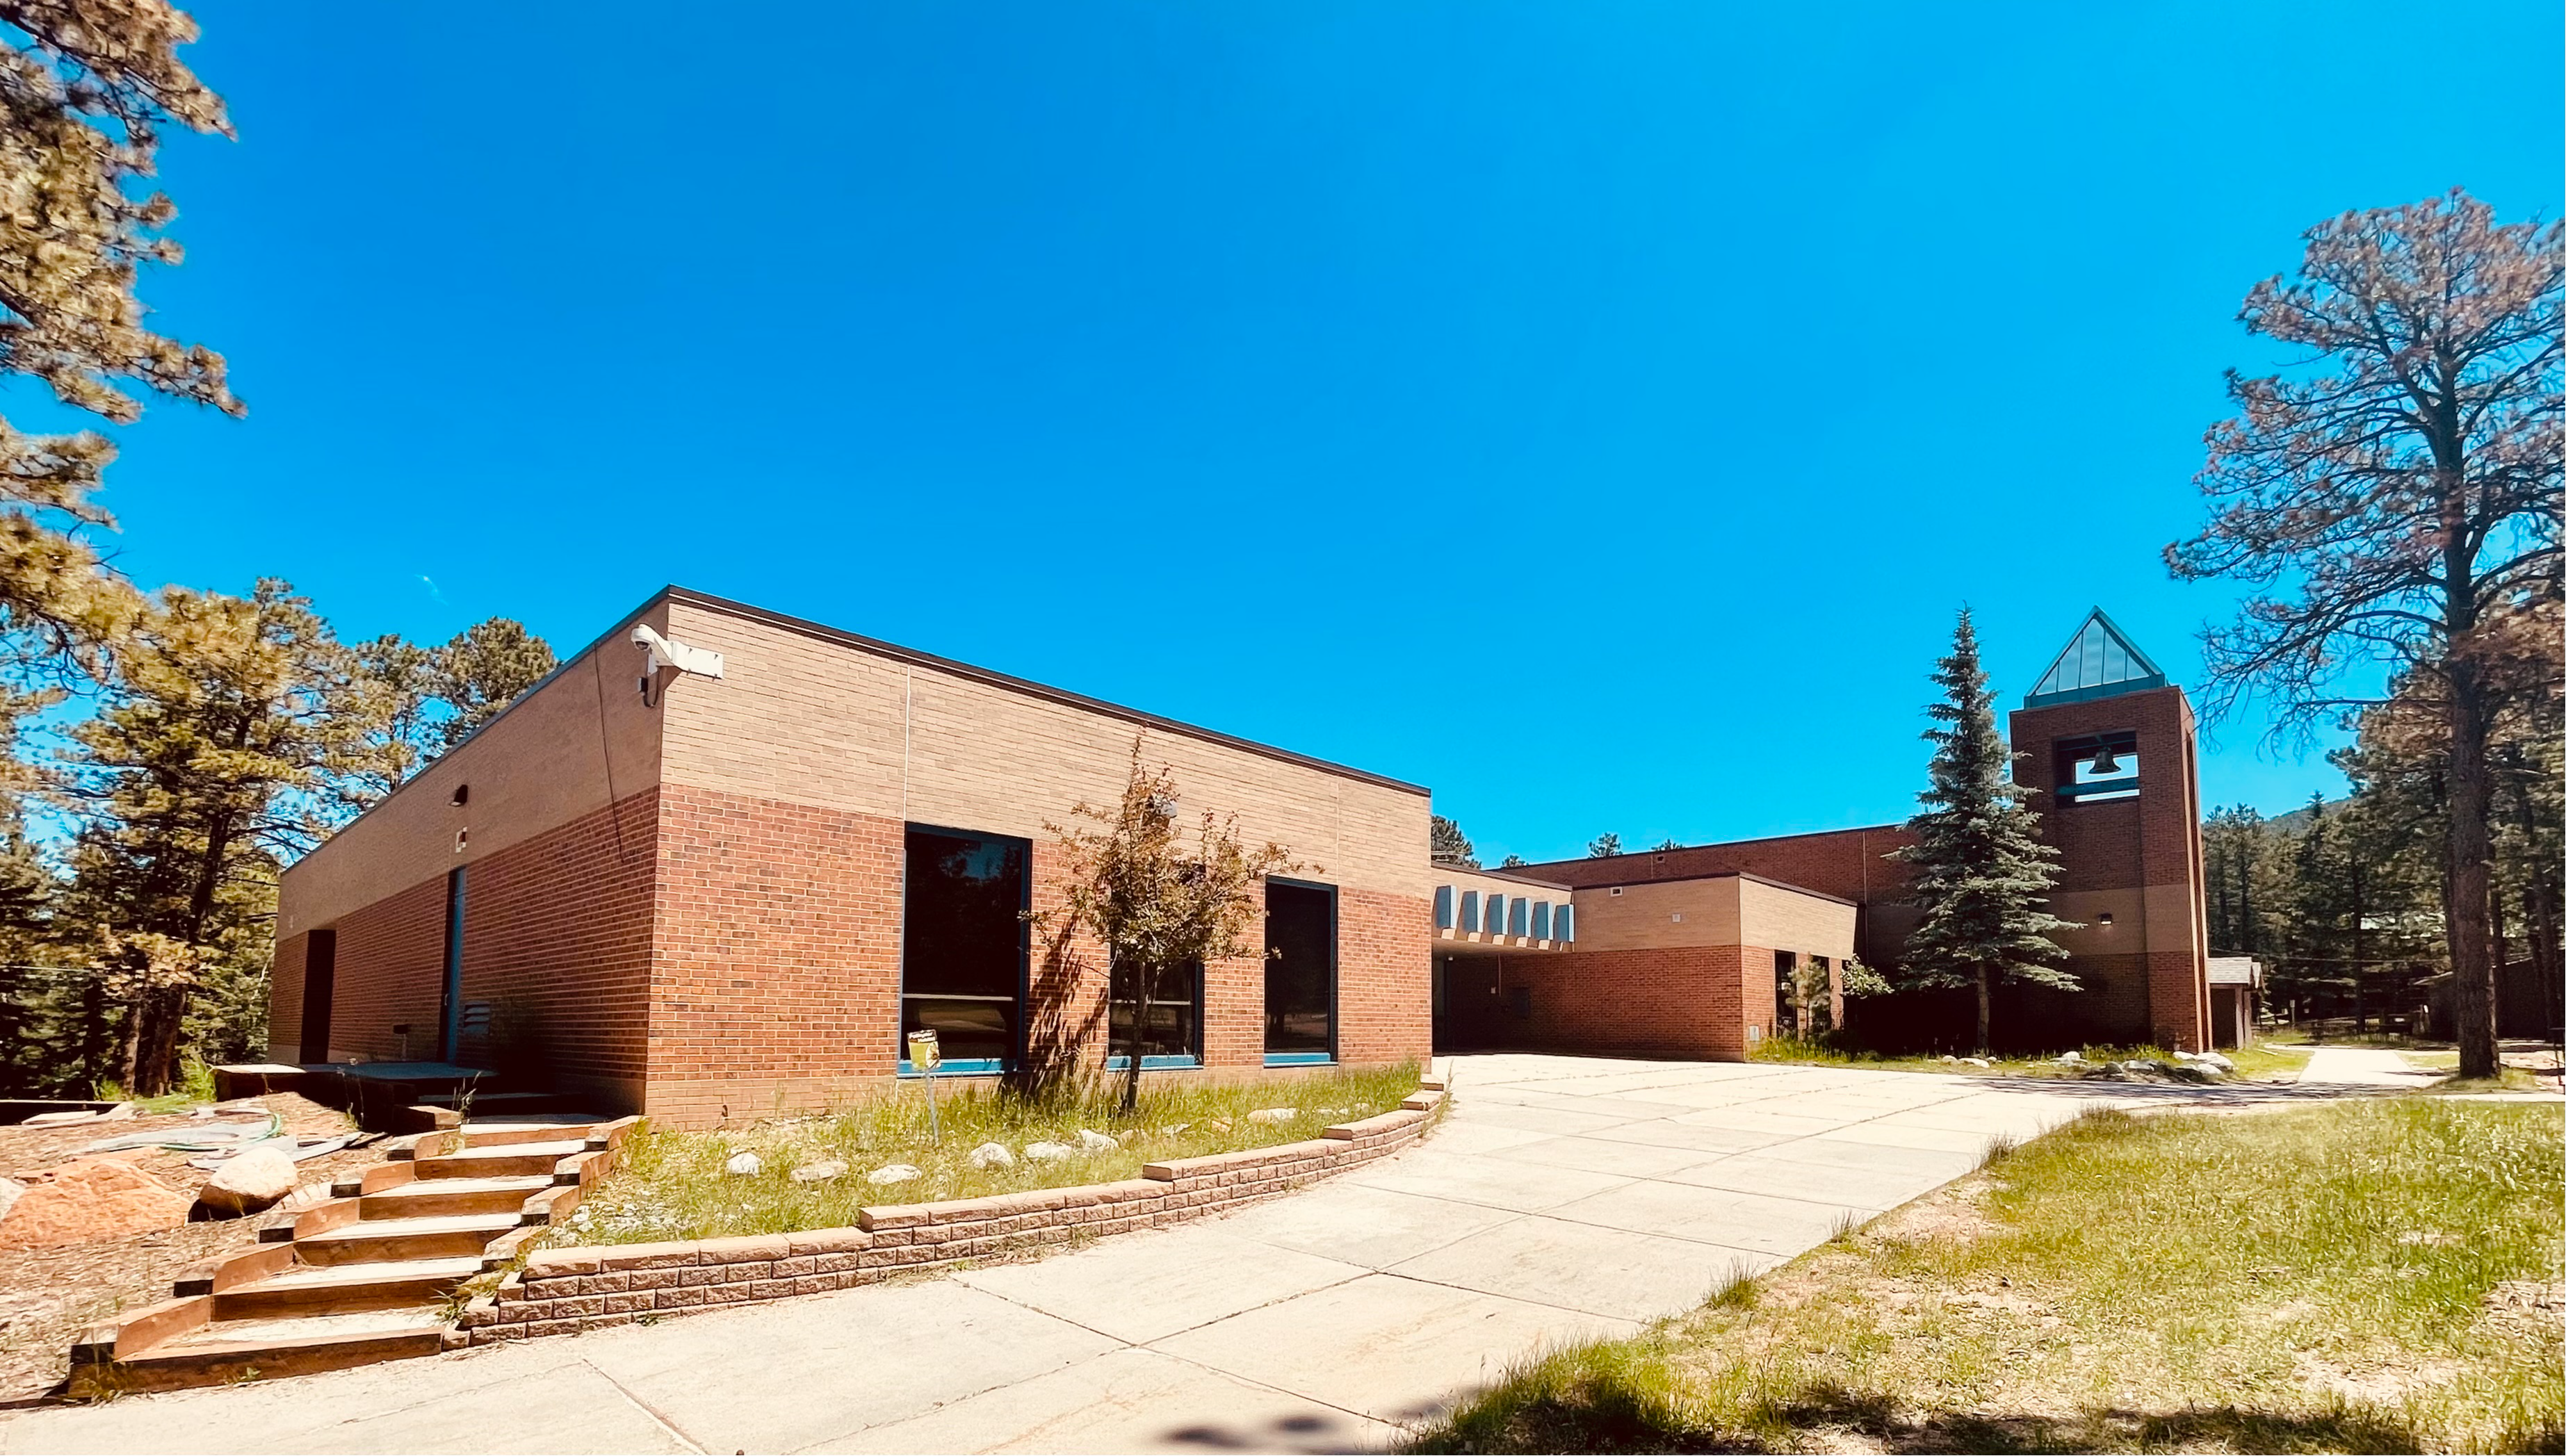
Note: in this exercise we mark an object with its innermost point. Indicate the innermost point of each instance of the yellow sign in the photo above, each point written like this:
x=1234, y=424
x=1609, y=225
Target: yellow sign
x=922, y=1052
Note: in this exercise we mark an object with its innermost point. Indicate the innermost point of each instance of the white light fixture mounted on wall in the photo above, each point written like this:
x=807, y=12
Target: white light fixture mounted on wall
x=663, y=655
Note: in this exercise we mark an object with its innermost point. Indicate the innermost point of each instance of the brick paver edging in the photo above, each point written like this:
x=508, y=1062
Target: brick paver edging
x=565, y=1291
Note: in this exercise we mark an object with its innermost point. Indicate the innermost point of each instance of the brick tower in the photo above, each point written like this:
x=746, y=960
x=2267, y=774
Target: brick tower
x=2109, y=745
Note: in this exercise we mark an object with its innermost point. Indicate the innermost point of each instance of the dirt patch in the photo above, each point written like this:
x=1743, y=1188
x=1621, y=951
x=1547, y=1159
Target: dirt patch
x=49, y=1296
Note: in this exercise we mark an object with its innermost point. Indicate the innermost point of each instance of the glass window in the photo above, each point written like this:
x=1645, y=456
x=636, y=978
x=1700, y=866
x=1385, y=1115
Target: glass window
x=1519, y=917
x=962, y=945
x=1300, y=970
x=1496, y=914
x=1564, y=920
x=1172, y=1023
x=1541, y=919
x=1442, y=907
x=1786, y=1001
x=1470, y=910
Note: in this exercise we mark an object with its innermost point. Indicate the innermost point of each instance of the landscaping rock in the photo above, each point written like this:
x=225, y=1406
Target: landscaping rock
x=1221, y=1124
x=1049, y=1152
x=744, y=1165
x=10, y=1188
x=1272, y=1116
x=892, y=1173
x=1975, y=1061
x=247, y=1182
x=992, y=1155
x=1950, y=1059
x=93, y=1200
x=2071, y=1059
x=1096, y=1141
x=2212, y=1060
x=1177, y=1130
x=827, y=1170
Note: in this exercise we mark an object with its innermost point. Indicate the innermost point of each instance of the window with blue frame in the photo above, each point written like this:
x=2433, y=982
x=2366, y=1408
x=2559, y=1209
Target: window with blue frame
x=1541, y=919
x=1470, y=911
x=1497, y=916
x=1300, y=972
x=1170, y=1014
x=963, y=945
x=1519, y=917
x=1564, y=922
x=1442, y=907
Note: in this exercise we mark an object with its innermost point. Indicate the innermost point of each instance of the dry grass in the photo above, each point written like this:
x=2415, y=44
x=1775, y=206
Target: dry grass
x=2260, y=1062
x=2373, y=1276
x=673, y=1185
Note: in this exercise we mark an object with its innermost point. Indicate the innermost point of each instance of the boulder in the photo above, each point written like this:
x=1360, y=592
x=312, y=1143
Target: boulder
x=1049, y=1152
x=1975, y=1061
x=744, y=1165
x=93, y=1200
x=892, y=1173
x=1273, y=1116
x=826, y=1170
x=1096, y=1141
x=992, y=1155
x=2071, y=1059
x=10, y=1188
x=247, y=1182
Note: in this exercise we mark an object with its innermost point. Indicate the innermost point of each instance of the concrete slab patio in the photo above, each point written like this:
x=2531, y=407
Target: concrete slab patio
x=1565, y=1198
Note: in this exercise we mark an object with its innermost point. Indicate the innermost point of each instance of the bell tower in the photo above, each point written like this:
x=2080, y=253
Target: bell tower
x=2109, y=745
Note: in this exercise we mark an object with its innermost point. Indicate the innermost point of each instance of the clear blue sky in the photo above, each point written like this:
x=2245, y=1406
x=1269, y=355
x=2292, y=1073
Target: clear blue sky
x=1595, y=412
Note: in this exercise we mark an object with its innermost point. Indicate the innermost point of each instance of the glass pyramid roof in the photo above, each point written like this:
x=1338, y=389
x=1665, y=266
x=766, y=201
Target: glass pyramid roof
x=2098, y=663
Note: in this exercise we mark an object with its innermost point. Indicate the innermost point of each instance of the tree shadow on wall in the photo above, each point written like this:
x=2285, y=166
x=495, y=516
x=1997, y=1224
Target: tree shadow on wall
x=1058, y=1021
x=1601, y=1412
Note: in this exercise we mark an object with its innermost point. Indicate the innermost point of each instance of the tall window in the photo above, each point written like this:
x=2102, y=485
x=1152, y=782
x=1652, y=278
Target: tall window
x=963, y=945
x=1171, y=1020
x=1786, y=997
x=449, y=997
x=1300, y=972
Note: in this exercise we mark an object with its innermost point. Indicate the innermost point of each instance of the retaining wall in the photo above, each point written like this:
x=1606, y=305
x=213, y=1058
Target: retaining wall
x=565, y=1291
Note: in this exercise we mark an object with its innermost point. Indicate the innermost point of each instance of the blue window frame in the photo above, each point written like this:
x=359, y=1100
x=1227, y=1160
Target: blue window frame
x=1495, y=920
x=964, y=946
x=1541, y=919
x=1442, y=907
x=1564, y=920
x=1300, y=972
x=1470, y=911
x=449, y=995
x=1519, y=917
x=1172, y=1019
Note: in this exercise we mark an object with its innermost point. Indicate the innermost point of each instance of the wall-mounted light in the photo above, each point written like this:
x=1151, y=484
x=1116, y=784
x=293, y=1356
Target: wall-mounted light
x=2104, y=919
x=462, y=796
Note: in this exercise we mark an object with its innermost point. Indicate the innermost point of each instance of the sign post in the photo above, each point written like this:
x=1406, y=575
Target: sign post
x=925, y=1056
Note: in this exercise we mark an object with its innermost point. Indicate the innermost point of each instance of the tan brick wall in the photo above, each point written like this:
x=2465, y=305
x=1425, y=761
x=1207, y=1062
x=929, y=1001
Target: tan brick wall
x=578, y=743
x=1643, y=916
x=1786, y=920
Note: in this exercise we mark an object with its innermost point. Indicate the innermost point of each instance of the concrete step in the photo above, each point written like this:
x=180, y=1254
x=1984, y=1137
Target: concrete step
x=438, y=1197
x=391, y=1239
x=240, y=1349
x=508, y=1160
x=347, y=1289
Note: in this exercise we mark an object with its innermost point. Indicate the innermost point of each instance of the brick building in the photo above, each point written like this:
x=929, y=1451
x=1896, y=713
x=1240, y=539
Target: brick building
x=722, y=861
x=696, y=895
x=1677, y=973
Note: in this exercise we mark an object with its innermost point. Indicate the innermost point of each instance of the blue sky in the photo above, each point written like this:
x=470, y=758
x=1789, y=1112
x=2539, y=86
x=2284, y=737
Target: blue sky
x=1596, y=412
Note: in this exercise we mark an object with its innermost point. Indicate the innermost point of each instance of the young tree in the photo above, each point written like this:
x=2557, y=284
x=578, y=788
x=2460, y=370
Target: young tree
x=1446, y=844
x=1980, y=873
x=84, y=87
x=1161, y=908
x=1604, y=846
x=2392, y=497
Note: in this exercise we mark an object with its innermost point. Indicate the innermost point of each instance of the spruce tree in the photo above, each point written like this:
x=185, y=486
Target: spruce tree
x=1982, y=873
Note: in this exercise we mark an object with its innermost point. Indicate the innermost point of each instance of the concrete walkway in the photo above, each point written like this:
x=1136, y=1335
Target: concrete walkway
x=2370, y=1068
x=1563, y=1198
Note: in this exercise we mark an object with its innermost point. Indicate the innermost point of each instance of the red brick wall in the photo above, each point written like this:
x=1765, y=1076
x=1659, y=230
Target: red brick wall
x=392, y=955
x=557, y=939
x=778, y=954
x=1846, y=863
x=1680, y=1001
x=285, y=1000
x=1385, y=1001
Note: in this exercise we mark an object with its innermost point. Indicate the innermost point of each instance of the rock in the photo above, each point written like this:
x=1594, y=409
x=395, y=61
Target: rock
x=1975, y=1061
x=91, y=1200
x=2213, y=1060
x=249, y=1181
x=826, y=1170
x=1049, y=1152
x=1950, y=1059
x=1221, y=1124
x=892, y=1173
x=2071, y=1059
x=992, y=1155
x=1096, y=1141
x=1273, y=1116
x=10, y=1188
x=744, y=1165
x=1178, y=1130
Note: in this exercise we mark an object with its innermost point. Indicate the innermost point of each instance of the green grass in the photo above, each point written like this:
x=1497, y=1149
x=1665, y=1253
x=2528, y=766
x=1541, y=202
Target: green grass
x=2311, y=1280
x=2257, y=1063
x=673, y=1185
x=195, y=1089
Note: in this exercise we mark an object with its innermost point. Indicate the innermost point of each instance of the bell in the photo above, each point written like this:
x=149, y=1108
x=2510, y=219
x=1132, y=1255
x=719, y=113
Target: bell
x=2104, y=763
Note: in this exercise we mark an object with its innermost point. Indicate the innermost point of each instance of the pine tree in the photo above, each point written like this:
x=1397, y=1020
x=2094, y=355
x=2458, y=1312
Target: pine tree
x=1982, y=873
x=1446, y=844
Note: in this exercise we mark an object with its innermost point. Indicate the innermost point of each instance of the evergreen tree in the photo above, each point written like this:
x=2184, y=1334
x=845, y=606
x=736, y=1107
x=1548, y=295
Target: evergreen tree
x=1982, y=873
x=1604, y=846
x=1446, y=844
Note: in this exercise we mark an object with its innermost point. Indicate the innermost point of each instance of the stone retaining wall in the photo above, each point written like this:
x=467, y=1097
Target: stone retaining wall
x=565, y=1291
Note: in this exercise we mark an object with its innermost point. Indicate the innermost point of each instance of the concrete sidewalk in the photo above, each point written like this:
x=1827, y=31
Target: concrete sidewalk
x=2372, y=1068
x=1563, y=1198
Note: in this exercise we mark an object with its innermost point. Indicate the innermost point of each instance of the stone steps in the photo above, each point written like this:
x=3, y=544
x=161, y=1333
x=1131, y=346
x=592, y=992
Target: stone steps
x=361, y=1278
